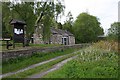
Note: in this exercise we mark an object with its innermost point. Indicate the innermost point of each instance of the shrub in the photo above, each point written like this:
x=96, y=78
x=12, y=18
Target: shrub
x=107, y=45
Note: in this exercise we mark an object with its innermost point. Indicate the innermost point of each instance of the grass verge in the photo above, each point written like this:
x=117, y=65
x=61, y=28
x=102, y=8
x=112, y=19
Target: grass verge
x=22, y=62
x=39, y=68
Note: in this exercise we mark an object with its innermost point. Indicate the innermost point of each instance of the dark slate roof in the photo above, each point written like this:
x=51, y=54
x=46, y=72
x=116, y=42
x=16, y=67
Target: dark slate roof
x=54, y=31
x=14, y=21
x=60, y=31
x=69, y=33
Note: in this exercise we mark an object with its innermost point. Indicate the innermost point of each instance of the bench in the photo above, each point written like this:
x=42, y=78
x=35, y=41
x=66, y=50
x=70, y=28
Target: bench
x=8, y=44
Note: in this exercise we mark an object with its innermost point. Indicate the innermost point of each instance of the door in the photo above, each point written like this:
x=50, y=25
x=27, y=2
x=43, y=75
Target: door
x=64, y=40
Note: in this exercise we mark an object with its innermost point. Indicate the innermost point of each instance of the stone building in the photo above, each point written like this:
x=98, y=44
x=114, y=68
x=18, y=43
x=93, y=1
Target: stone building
x=58, y=36
x=37, y=36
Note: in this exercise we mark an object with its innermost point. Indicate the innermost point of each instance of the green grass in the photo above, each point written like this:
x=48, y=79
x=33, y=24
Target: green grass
x=44, y=45
x=39, y=68
x=86, y=66
x=22, y=62
x=19, y=46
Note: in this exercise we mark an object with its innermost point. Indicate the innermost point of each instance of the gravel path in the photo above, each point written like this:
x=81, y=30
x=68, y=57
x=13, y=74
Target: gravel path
x=55, y=67
x=33, y=66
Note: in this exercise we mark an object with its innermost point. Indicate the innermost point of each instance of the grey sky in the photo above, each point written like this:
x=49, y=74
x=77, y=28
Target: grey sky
x=105, y=10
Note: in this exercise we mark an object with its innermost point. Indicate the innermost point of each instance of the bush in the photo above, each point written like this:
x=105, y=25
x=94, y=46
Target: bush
x=107, y=45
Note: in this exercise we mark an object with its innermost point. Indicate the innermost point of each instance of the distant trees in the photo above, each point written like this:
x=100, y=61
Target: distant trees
x=113, y=31
x=87, y=28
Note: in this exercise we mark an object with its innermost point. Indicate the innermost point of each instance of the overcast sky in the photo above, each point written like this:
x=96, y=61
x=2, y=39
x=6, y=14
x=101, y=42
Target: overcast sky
x=105, y=10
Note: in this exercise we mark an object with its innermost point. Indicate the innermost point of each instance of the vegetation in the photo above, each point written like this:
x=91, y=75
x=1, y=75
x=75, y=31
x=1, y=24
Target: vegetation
x=87, y=28
x=113, y=31
x=22, y=62
x=97, y=61
x=68, y=25
x=49, y=14
x=39, y=69
x=35, y=14
x=93, y=62
x=19, y=46
x=43, y=15
x=107, y=45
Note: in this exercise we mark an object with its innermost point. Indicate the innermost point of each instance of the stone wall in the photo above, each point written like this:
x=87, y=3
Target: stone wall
x=71, y=40
x=56, y=39
x=37, y=36
x=14, y=54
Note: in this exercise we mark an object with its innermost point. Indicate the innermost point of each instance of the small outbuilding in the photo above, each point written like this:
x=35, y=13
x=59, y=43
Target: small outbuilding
x=59, y=36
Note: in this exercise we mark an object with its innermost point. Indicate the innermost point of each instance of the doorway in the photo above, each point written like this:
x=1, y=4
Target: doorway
x=65, y=40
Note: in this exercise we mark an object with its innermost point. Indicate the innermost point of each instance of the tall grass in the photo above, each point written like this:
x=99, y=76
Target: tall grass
x=107, y=45
x=97, y=61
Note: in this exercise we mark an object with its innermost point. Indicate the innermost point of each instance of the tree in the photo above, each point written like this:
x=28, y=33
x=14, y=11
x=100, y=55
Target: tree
x=6, y=17
x=25, y=11
x=48, y=17
x=113, y=31
x=87, y=28
x=34, y=14
x=68, y=25
x=58, y=25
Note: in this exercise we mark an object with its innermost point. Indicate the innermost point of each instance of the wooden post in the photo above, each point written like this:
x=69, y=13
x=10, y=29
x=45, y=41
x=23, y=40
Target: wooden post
x=23, y=37
x=7, y=44
x=13, y=37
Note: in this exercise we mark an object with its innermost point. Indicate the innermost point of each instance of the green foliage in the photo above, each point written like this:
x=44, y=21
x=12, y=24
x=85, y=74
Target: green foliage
x=6, y=17
x=33, y=13
x=113, y=31
x=59, y=8
x=46, y=29
x=91, y=63
x=58, y=25
x=86, y=28
x=49, y=11
x=25, y=11
x=68, y=25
